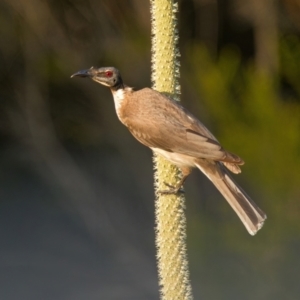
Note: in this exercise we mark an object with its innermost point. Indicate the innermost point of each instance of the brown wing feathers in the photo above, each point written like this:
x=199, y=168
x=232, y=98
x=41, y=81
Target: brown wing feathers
x=187, y=135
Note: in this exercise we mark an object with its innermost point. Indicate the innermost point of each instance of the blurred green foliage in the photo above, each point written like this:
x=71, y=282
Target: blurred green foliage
x=257, y=116
x=251, y=115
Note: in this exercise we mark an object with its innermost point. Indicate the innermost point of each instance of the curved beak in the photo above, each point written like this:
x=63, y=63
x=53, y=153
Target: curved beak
x=84, y=73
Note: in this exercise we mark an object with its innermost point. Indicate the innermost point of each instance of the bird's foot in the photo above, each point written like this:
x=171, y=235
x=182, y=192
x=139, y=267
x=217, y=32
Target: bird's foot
x=174, y=190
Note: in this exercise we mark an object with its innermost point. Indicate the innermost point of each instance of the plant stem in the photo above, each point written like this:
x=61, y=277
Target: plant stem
x=170, y=216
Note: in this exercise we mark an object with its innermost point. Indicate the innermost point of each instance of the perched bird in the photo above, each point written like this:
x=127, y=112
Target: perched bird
x=170, y=130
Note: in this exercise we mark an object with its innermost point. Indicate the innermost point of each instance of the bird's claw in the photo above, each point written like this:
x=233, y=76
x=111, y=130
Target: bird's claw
x=173, y=190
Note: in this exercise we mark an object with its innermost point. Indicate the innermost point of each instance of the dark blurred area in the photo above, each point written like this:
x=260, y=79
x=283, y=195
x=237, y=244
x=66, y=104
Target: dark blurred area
x=77, y=200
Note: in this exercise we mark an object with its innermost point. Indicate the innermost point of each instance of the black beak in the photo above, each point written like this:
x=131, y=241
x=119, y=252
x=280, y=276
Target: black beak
x=83, y=73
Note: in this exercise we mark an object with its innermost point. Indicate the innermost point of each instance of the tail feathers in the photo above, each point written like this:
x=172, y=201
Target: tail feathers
x=250, y=214
x=232, y=167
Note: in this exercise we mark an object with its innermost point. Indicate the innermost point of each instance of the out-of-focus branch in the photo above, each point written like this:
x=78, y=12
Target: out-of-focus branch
x=266, y=35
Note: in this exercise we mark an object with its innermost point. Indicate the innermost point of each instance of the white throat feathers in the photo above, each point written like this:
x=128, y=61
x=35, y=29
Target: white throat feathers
x=119, y=97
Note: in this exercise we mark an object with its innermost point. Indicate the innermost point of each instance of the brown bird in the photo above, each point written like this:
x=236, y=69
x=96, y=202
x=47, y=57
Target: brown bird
x=170, y=130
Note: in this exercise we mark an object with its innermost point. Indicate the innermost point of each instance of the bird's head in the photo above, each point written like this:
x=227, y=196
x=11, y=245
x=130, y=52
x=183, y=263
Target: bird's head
x=108, y=76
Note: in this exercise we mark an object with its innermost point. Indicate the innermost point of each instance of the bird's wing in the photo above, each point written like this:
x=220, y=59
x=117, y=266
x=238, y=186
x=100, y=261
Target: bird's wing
x=164, y=124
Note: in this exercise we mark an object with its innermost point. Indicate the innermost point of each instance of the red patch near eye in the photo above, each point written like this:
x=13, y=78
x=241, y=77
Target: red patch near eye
x=108, y=73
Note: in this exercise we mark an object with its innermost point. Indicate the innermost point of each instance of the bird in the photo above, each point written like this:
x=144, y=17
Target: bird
x=170, y=130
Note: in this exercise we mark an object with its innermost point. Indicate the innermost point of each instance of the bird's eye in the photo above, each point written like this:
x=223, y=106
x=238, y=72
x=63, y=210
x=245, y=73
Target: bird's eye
x=108, y=73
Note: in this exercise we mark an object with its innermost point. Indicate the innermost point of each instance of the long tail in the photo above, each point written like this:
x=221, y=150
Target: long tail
x=250, y=214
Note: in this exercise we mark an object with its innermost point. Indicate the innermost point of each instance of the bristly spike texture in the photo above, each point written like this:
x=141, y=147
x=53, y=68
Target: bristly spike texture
x=170, y=215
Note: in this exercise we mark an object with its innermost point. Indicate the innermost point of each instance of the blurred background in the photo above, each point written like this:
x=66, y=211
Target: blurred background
x=77, y=200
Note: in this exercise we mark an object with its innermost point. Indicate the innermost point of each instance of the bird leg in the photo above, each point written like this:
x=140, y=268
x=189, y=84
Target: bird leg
x=179, y=187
